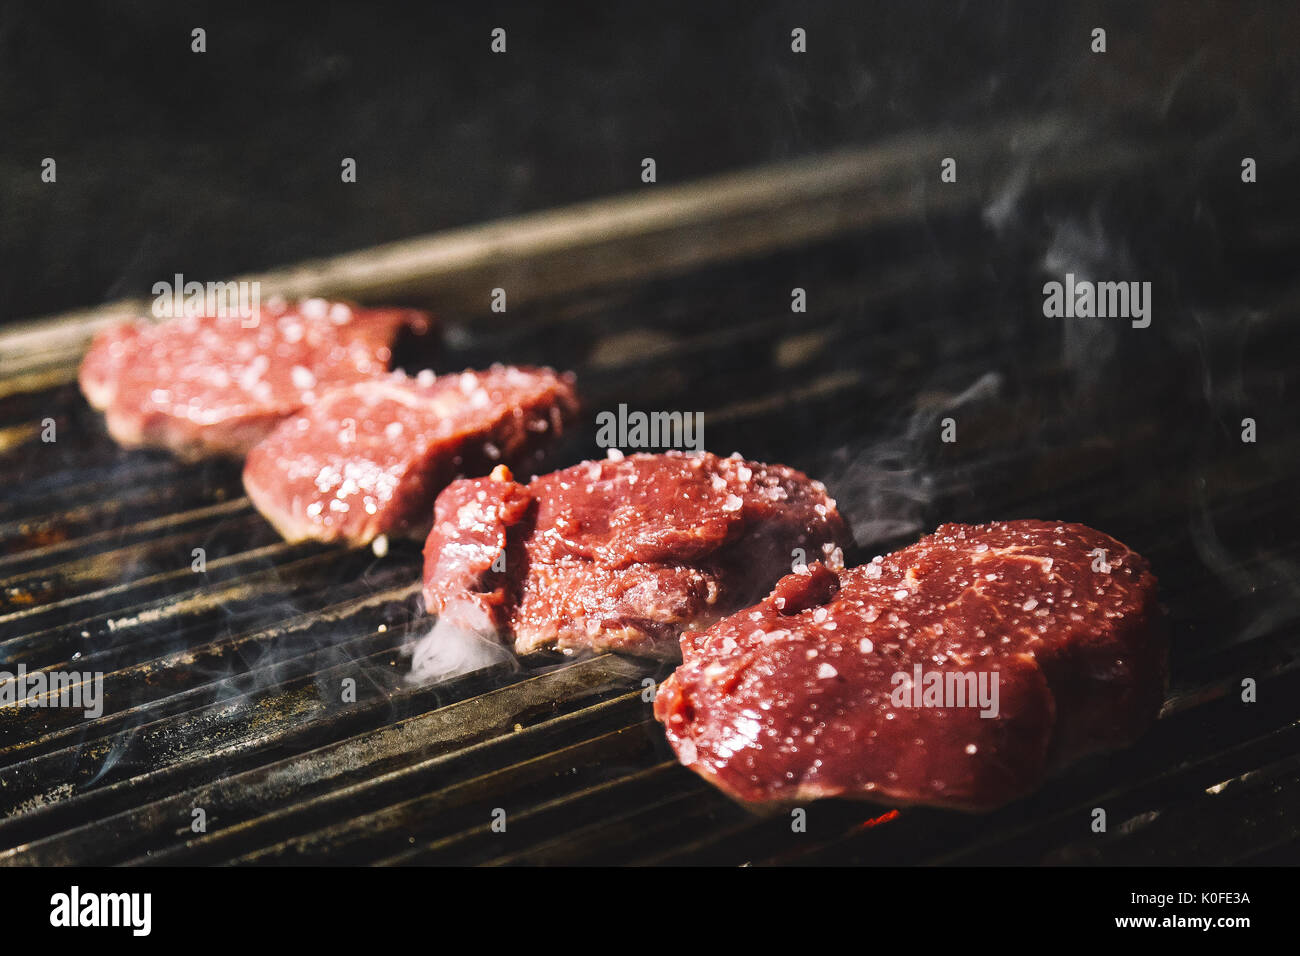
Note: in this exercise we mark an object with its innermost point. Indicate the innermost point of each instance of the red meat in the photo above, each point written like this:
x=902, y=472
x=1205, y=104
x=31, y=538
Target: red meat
x=370, y=458
x=814, y=692
x=623, y=554
x=204, y=386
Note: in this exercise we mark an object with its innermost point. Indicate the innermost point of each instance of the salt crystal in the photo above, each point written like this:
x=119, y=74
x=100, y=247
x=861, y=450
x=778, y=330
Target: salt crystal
x=314, y=308
x=302, y=377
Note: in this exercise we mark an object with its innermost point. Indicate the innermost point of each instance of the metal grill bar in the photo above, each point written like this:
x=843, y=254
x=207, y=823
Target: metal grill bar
x=223, y=688
x=365, y=760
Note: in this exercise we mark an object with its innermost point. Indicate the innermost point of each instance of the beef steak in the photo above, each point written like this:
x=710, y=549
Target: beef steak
x=206, y=385
x=866, y=683
x=623, y=553
x=369, y=459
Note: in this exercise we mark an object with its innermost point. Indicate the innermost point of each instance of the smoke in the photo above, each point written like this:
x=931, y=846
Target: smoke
x=1003, y=210
x=1086, y=248
x=1268, y=590
x=885, y=490
x=462, y=640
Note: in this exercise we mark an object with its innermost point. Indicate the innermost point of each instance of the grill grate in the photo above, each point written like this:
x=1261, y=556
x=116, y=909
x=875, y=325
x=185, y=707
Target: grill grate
x=222, y=688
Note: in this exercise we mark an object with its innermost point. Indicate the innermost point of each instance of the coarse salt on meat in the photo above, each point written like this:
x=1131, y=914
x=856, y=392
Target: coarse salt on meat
x=623, y=553
x=209, y=386
x=1079, y=656
x=370, y=458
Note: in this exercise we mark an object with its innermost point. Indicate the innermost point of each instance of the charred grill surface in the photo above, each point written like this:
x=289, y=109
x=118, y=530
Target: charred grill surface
x=224, y=679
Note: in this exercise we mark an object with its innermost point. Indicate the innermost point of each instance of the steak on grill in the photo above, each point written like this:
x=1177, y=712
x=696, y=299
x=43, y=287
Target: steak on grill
x=369, y=459
x=846, y=684
x=206, y=385
x=624, y=553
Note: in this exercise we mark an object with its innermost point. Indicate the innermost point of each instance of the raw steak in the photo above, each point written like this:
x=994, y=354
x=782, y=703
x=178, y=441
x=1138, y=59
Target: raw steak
x=369, y=459
x=624, y=553
x=796, y=698
x=204, y=386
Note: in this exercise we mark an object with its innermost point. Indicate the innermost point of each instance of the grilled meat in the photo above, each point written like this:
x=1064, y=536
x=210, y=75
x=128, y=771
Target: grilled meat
x=624, y=554
x=954, y=672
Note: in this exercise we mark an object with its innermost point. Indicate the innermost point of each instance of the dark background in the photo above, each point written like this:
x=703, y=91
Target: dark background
x=226, y=162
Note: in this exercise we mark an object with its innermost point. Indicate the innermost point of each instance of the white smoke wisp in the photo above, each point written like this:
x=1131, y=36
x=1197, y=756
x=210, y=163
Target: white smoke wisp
x=884, y=491
x=461, y=641
x=1002, y=210
x=1085, y=248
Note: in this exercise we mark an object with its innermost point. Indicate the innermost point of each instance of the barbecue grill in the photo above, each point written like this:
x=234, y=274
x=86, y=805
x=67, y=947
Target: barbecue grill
x=228, y=733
